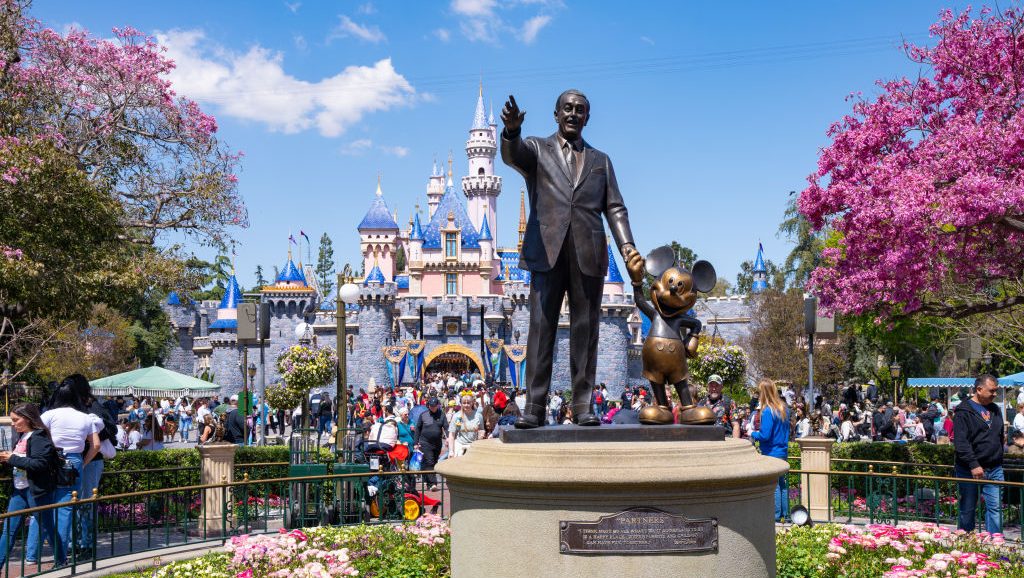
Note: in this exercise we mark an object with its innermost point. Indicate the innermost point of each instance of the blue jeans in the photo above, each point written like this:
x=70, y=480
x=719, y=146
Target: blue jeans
x=20, y=500
x=969, y=500
x=325, y=425
x=782, y=499
x=186, y=428
x=64, y=515
x=90, y=480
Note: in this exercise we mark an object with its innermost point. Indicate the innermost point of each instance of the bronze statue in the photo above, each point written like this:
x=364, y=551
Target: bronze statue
x=673, y=294
x=570, y=185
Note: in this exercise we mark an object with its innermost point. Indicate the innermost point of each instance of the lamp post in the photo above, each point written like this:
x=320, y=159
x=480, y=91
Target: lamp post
x=348, y=293
x=249, y=384
x=894, y=371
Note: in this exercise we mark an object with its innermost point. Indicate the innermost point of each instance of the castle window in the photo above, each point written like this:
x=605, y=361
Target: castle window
x=451, y=245
x=451, y=285
x=480, y=171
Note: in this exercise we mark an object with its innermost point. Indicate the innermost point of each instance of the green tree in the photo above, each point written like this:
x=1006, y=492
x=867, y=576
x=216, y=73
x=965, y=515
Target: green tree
x=806, y=252
x=777, y=347
x=325, y=268
x=400, y=259
x=260, y=281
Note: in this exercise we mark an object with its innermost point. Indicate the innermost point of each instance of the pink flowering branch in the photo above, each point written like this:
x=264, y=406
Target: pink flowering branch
x=921, y=187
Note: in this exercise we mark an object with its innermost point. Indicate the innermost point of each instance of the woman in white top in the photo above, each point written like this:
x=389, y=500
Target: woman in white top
x=69, y=428
x=152, y=434
x=467, y=427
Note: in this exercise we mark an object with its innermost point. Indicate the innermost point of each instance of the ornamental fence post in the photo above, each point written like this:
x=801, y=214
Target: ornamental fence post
x=218, y=466
x=816, y=455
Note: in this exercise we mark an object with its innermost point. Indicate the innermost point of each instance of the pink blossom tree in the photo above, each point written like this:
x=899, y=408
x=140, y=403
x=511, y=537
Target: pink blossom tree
x=108, y=105
x=921, y=191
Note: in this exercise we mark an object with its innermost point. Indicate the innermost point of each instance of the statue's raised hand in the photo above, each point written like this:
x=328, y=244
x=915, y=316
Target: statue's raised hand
x=511, y=116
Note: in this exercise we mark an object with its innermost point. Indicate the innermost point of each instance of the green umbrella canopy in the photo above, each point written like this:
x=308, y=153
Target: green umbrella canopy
x=153, y=382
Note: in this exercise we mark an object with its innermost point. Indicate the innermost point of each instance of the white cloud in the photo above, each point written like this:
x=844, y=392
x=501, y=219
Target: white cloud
x=367, y=8
x=300, y=42
x=254, y=86
x=443, y=35
x=398, y=151
x=357, y=147
x=293, y=6
x=532, y=27
x=347, y=27
x=474, y=7
x=361, y=146
x=647, y=40
x=488, y=20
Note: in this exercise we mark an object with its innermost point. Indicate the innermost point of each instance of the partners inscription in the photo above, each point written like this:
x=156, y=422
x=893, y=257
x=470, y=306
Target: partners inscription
x=639, y=531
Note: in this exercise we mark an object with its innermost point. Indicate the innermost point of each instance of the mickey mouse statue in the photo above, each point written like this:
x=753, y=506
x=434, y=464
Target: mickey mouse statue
x=673, y=334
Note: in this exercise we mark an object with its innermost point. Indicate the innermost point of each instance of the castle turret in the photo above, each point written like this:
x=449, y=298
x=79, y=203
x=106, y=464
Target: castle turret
x=435, y=189
x=378, y=232
x=613, y=283
x=760, y=272
x=481, y=186
x=522, y=219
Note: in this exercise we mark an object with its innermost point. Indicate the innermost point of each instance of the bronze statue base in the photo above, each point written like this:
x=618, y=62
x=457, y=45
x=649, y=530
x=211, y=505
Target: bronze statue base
x=656, y=415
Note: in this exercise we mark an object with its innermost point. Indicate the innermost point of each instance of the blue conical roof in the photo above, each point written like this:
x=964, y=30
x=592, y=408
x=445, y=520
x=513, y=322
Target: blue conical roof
x=479, y=117
x=375, y=276
x=378, y=216
x=450, y=203
x=485, y=231
x=613, y=275
x=290, y=273
x=173, y=298
x=417, y=231
x=759, y=261
x=232, y=294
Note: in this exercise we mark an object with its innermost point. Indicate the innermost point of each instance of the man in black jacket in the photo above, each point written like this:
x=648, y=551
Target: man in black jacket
x=978, y=439
x=431, y=428
x=234, y=427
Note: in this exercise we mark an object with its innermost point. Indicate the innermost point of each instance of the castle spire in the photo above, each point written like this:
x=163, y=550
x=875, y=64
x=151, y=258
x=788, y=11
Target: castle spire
x=449, y=164
x=379, y=192
x=760, y=272
x=522, y=218
x=479, y=116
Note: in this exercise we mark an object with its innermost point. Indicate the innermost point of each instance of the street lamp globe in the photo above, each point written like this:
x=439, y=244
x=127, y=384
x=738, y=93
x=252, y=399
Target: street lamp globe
x=252, y=370
x=349, y=293
x=303, y=331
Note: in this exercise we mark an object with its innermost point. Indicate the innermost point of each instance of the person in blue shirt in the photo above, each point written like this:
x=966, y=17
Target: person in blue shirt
x=773, y=439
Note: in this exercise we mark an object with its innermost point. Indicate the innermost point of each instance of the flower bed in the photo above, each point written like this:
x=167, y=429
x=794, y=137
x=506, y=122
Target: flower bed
x=910, y=550
x=417, y=550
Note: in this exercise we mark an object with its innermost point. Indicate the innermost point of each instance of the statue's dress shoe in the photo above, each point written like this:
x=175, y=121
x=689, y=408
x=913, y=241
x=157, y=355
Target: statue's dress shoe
x=656, y=415
x=696, y=416
x=588, y=419
x=527, y=422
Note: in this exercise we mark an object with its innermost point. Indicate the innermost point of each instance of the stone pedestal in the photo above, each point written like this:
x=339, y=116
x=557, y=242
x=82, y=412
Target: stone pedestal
x=218, y=466
x=521, y=493
x=815, y=455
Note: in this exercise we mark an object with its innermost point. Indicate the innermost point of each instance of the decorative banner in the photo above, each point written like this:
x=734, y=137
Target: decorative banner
x=416, y=347
x=493, y=360
x=395, y=356
x=516, y=355
x=494, y=345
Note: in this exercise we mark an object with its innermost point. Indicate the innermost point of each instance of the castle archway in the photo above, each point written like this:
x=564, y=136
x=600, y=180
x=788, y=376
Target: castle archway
x=453, y=358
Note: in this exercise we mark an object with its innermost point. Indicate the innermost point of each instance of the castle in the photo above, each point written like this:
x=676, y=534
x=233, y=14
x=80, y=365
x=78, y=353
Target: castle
x=441, y=280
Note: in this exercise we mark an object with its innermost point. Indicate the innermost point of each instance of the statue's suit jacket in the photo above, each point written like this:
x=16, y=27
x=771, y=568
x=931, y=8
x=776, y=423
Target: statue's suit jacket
x=558, y=204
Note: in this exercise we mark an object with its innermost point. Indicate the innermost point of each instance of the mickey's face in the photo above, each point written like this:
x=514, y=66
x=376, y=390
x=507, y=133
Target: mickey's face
x=673, y=293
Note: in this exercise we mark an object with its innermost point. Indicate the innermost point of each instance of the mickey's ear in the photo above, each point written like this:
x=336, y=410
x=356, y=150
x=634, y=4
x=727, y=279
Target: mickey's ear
x=704, y=276
x=659, y=260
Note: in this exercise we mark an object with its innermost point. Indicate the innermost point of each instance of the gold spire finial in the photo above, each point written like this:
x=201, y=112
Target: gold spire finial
x=449, y=163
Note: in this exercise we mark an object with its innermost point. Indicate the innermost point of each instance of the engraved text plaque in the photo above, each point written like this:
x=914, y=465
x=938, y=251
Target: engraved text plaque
x=639, y=531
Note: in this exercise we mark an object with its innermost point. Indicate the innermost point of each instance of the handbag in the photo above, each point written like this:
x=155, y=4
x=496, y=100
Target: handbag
x=67, y=474
x=107, y=450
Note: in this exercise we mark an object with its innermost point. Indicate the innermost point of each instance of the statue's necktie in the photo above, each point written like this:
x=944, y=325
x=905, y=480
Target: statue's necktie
x=570, y=161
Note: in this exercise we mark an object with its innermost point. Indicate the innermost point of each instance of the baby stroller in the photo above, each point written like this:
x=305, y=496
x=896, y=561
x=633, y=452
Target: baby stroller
x=393, y=497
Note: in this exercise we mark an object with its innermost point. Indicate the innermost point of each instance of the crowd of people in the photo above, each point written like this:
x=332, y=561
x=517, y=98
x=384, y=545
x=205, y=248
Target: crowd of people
x=60, y=448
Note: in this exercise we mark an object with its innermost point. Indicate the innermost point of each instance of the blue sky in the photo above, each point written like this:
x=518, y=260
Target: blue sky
x=711, y=112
